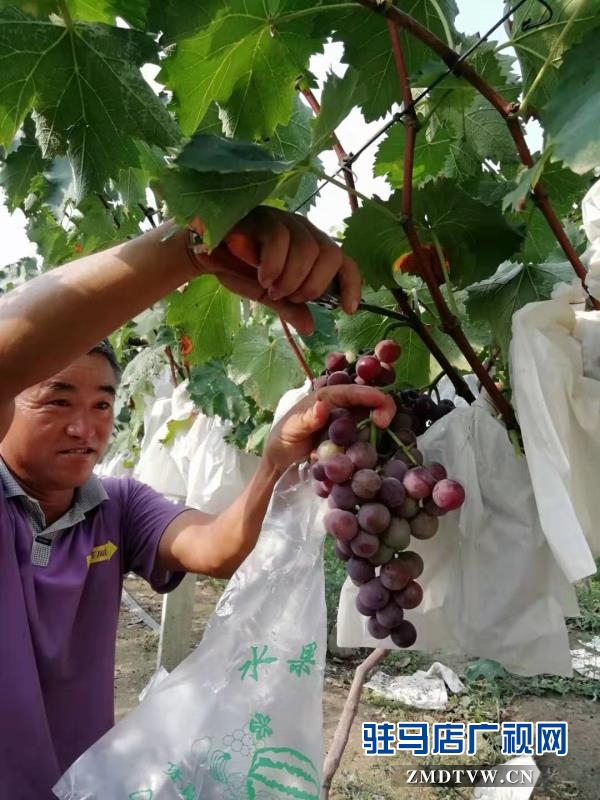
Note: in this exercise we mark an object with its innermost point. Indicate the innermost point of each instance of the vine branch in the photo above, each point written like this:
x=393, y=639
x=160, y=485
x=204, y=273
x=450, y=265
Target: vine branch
x=298, y=353
x=342, y=732
x=509, y=111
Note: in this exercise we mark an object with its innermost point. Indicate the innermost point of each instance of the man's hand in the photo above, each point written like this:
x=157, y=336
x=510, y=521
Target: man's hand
x=293, y=262
x=293, y=438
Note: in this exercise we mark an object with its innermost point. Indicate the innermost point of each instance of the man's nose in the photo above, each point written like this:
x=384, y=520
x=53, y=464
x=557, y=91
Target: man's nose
x=79, y=427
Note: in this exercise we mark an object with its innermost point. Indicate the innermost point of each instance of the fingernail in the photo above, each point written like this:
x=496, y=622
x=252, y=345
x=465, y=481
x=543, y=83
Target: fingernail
x=354, y=305
x=275, y=294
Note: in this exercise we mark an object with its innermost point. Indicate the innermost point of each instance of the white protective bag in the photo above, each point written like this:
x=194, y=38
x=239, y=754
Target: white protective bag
x=241, y=717
x=492, y=588
x=555, y=367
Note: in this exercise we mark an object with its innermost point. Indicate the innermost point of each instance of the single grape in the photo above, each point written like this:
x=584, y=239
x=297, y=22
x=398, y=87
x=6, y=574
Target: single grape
x=367, y=368
x=366, y=483
x=422, y=526
x=448, y=494
x=445, y=407
x=321, y=488
x=390, y=616
x=430, y=508
x=320, y=382
x=409, y=397
x=342, y=549
x=408, y=509
x=418, y=482
x=437, y=470
x=341, y=524
x=404, y=635
x=409, y=597
x=397, y=536
x=339, y=468
x=373, y=517
x=402, y=421
x=362, y=609
x=395, y=575
x=388, y=350
x=363, y=455
x=335, y=361
x=376, y=629
x=359, y=570
x=386, y=376
x=338, y=378
x=392, y=493
x=327, y=449
x=413, y=562
x=383, y=555
x=424, y=407
x=343, y=432
x=373, y=595
x=407, y=437
x=411, y=456
x=317, y=471
x=339, y=413
x=342, y=496
x=364, y=545
x=394, y=469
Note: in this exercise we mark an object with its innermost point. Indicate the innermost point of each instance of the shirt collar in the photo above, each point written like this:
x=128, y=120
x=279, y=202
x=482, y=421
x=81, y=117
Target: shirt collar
x=87, y=497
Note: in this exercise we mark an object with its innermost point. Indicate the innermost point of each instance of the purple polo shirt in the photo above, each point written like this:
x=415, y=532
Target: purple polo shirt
x=58, y=622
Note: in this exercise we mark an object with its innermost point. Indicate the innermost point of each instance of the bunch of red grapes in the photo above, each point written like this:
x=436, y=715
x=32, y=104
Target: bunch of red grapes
x=380, y=493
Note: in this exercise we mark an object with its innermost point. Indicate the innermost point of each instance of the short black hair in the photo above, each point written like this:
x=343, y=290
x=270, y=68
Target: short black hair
x=105, y=349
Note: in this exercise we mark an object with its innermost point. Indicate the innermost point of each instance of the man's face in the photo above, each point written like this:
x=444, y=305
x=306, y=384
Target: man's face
x=61, y=426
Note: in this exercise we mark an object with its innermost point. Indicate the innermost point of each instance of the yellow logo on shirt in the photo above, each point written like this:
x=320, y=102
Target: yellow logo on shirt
x=104, y=552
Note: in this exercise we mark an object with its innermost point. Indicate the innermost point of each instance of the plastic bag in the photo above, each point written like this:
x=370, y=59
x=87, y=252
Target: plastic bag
x=241, y=717
x=492, y=588
x=553, y=350
x=590, y=211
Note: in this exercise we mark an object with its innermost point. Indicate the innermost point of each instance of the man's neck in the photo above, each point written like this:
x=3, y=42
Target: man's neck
x=54, y=503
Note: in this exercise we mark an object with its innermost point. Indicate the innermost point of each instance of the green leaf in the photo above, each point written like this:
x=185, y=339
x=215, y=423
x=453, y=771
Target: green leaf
x=572, y=113
x=21, y=167
x=544, y=47
x=496, y=299
x=215, y=394
x=218, y=154
x=132, y=11
x=475, y=236
x=434, y=156
x=208, y=314
x=339, y=97
x=88, y=93
x=413, y=367
x=248, y=60
x=367, y=48
x=266, y=366
x=51, y=239
x=563, y=187
x=175, y=427
x=363, y=330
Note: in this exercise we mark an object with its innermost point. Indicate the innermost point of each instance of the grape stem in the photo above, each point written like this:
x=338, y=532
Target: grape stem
x=405, y=449
x=373, y=436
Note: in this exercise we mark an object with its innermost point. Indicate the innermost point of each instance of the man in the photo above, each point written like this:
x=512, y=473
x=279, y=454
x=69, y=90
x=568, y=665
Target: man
x=66, y=537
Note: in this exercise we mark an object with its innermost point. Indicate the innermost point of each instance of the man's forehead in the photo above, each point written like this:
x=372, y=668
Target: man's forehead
x=88, y=372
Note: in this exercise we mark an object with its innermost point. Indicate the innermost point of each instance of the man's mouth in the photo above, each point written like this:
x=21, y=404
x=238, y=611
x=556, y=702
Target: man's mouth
x=78, y=451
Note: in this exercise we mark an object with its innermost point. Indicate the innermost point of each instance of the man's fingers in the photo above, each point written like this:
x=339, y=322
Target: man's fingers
x=321, y=276
x=350, y=285
x=304, y=251
x=348, y=396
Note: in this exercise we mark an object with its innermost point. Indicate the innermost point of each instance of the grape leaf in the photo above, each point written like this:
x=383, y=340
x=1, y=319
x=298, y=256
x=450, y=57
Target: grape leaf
x=434, y=157
x=413, y=367
x=475, y=236
x=177, y=20
x=496, y=299
x=248, y=59
x=264, y=364
x=215, y=394
x=544, y=47
x=563, y=187
x=364, y=329
x=339, y=97
x=208, y=314
x=217, y=154
x=85, y=85
x=571, y=115
x=21, y=167
x=367, y=48
x=132, y=11
x=51, y=239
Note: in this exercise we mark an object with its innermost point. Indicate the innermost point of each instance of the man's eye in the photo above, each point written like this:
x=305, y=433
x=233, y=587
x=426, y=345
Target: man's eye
x=104, y=406
x=61, y=403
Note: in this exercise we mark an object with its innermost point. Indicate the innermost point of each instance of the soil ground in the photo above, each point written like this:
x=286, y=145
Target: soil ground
x=573, y=777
